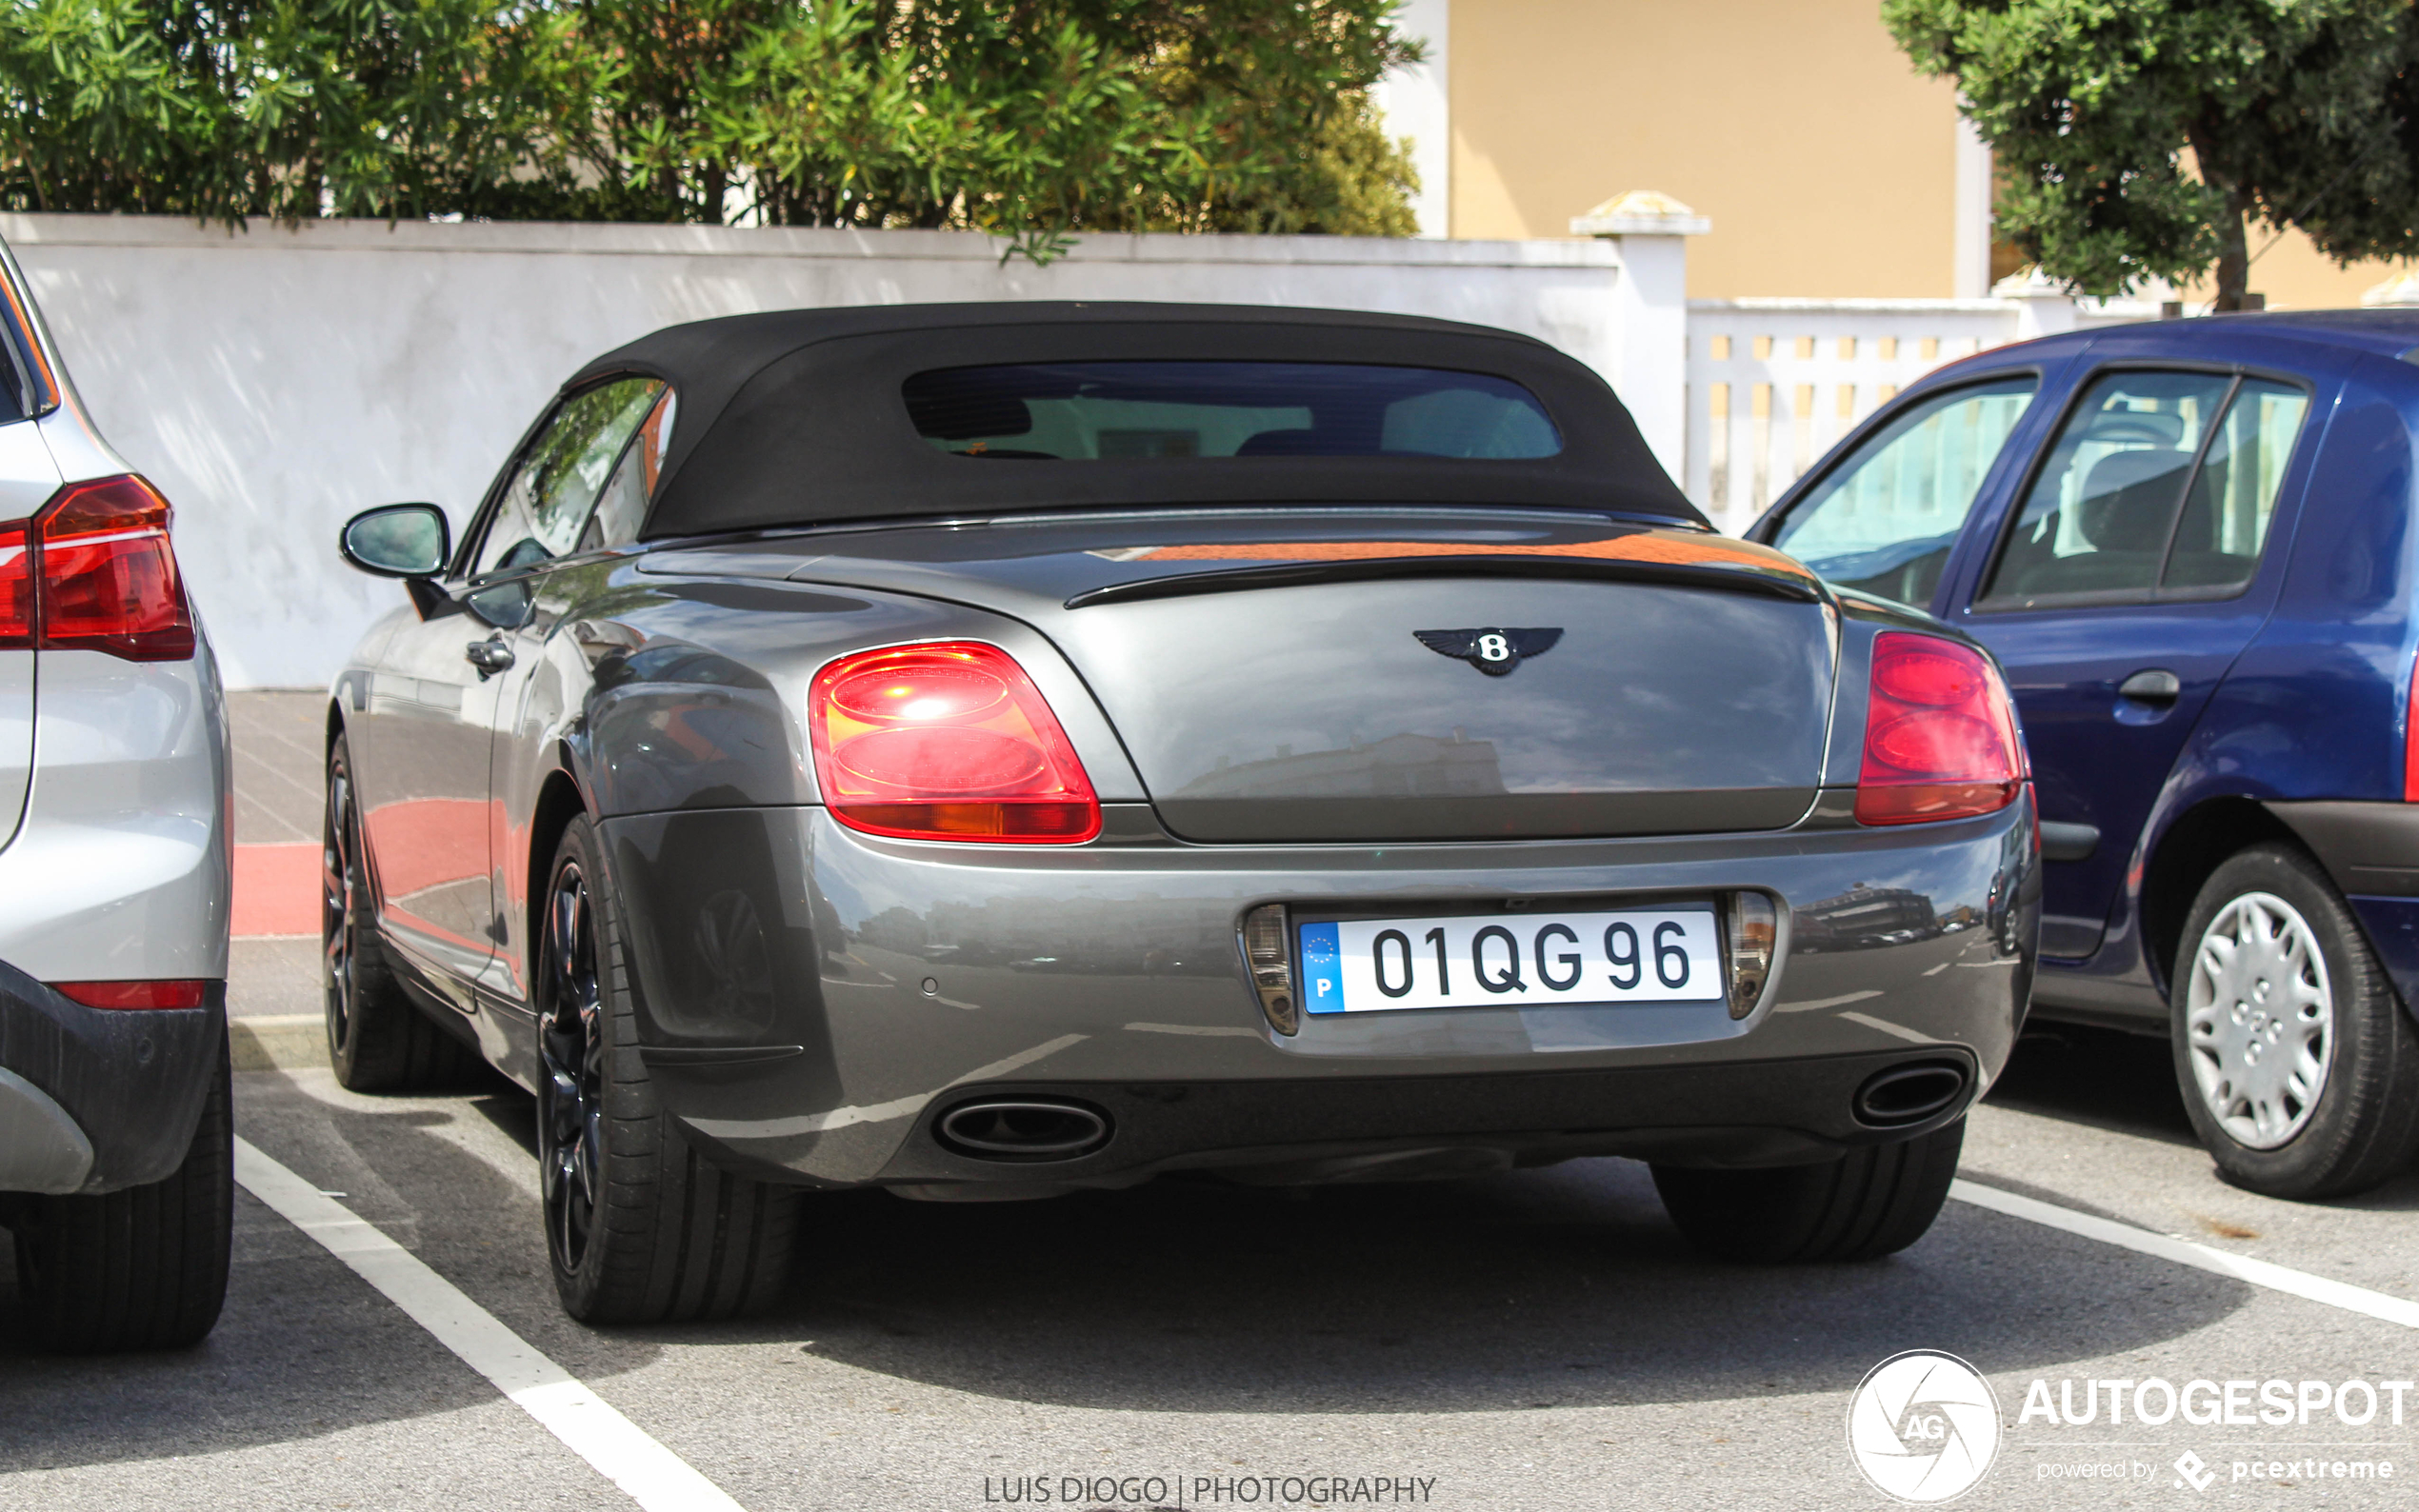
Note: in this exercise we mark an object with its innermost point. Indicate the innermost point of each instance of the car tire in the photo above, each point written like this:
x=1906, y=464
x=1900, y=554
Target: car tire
x=140, y=1269
x=1873, y=1201
x=641, y=1227
x=2296, y=1059
x=378, y=1039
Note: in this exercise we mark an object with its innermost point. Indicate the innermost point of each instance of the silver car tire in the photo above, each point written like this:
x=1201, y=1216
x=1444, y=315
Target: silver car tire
x=2295, y=1059
x=640, y=1227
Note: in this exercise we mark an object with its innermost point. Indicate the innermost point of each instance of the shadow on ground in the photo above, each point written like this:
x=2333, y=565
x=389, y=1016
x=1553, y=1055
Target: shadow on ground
x=2101, y=1078
x=2125, y=1082
x=1564, y=1287
x=1557, y=1287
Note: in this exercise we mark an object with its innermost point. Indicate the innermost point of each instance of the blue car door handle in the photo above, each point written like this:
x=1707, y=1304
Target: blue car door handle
x=2155, y=685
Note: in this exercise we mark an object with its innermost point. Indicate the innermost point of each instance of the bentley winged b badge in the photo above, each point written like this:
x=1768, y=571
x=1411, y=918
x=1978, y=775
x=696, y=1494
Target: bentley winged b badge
x=1493, y=651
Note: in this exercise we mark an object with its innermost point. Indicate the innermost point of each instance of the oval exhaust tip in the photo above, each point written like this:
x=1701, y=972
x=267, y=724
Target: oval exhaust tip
x=1023, y=1128
x=1908, y=1094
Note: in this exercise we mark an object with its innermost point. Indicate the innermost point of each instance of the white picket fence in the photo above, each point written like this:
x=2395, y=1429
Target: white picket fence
x=1773, y=384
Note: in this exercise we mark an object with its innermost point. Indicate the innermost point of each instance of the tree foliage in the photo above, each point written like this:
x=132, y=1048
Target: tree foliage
x=2141, y=138
x=1030, y=118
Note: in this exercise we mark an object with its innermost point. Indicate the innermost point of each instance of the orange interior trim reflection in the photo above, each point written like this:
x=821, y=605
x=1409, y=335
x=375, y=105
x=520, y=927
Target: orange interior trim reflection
x=1618, y=548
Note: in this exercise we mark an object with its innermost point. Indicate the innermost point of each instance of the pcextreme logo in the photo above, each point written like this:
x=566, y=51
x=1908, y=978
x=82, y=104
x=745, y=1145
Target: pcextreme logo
x=1923, y=1427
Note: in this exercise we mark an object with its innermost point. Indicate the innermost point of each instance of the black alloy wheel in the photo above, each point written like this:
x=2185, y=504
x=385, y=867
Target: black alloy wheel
x=640, y=1225
x=340, y=904
x=377, y=1041
x=572, y=1093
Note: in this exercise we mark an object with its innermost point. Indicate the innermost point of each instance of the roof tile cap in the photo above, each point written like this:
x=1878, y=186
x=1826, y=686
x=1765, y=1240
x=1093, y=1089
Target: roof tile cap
x=1641, y=212
x=2400, y=292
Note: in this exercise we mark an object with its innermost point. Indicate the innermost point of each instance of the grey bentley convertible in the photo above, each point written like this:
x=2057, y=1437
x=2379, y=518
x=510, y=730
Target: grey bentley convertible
x=991, y=750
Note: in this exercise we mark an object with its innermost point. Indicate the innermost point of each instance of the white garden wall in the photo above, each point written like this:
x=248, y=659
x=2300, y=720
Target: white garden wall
x=1773, y=384
x=273, y=380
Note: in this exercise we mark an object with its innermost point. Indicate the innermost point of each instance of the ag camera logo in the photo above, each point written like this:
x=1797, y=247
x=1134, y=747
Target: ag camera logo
x=1923, y=1427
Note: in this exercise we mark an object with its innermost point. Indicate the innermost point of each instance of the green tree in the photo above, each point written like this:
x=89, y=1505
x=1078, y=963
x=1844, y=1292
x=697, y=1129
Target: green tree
x=2141, y=138
x=291, y=109
x=1033, y=119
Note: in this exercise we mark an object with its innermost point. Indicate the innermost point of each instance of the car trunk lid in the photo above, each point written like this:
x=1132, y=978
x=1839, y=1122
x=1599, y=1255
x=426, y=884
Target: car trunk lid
x=1450, y=709
x=1318, y=676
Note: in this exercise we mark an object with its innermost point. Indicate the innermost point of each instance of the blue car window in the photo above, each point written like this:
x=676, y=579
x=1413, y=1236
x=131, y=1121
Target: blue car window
x=1883, y=521
x=2226, y=514
x=2099, y=515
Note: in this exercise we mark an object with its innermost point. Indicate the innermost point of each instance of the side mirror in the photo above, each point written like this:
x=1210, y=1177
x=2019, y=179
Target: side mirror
x=399, y=541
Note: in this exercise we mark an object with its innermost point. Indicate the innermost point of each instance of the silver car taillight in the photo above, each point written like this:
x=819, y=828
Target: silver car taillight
x=1266, y=950
x=1751, y=924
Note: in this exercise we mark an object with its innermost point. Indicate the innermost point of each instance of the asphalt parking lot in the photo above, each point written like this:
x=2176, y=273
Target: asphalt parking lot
x=1541, y=1340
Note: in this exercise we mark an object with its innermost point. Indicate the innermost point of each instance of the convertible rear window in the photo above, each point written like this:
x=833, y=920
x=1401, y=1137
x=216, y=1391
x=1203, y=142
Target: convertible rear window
x=1087, y=411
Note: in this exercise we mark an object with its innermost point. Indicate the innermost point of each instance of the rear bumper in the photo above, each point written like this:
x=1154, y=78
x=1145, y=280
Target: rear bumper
x=94, y=1100
x=1729, y=1114
x=2369, y=848
x=812, y=1000
x=2371, y=852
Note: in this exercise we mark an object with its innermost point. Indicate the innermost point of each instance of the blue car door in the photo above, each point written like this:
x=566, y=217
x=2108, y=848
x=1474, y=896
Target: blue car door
x=2126, y=577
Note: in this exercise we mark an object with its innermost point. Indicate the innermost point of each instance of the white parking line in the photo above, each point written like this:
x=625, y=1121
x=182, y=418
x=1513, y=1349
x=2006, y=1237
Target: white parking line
x=655, y=1478
x=2184, y=1252
x=1888, y=1028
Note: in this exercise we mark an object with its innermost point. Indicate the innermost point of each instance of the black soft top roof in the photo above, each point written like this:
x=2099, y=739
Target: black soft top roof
x=795, y=417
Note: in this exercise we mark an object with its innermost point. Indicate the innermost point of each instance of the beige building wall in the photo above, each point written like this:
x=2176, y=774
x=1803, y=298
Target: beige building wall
x=1827, y=165
x=2295, y=275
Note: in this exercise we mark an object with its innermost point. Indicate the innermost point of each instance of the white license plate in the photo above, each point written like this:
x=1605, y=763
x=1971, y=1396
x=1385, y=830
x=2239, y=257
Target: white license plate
x=1528, y=960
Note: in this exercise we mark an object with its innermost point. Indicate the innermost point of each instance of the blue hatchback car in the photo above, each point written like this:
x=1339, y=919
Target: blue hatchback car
x=2191, y=546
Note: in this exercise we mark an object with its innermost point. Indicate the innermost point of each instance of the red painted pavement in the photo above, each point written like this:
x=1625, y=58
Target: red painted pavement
x=276, y=889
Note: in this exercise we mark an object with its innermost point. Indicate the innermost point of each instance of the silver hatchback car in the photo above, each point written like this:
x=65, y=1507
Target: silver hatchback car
x=117, y=1169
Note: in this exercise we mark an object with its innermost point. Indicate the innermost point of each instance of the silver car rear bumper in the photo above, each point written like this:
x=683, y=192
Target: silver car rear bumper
x=812, y=999
x=120, y=870
x=99, y=1099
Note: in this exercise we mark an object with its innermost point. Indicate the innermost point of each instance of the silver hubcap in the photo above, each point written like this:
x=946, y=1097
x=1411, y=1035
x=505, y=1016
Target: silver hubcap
x=2260, y=1020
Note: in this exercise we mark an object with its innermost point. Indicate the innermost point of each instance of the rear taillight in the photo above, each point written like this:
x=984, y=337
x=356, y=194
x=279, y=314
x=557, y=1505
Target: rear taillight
x=2410, y=742
x=108, y=579
x=1940, y=734
x=950, y=741
x=93, y=571
x=16, y=588
x=173, y=994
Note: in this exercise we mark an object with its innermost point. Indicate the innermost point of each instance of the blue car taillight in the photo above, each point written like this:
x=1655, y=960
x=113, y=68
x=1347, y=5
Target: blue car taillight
x=2410, y=742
